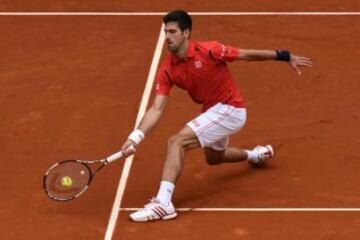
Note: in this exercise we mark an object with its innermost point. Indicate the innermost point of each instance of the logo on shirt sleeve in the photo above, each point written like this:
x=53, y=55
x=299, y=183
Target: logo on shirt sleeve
x=198, y=64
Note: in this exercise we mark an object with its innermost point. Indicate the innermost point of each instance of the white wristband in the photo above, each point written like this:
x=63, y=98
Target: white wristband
x=136, y=136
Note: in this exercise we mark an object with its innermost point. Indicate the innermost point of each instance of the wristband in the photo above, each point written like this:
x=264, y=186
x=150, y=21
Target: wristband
x=282, y=55
x=136, y=136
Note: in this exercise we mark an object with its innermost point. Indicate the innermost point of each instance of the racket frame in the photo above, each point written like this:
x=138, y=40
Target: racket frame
x=104, y=162
x=84, y=163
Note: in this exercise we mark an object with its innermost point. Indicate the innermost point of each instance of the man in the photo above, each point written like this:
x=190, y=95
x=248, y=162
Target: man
x=200, y=69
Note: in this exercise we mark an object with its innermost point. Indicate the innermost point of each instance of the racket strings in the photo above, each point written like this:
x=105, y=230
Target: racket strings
x=67, y=180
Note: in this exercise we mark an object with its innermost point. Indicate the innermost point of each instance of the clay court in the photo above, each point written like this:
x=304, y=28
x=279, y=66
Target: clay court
x=71, y=87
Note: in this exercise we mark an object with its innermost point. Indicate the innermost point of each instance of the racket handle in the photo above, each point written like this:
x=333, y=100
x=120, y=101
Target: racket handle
x=119, y=155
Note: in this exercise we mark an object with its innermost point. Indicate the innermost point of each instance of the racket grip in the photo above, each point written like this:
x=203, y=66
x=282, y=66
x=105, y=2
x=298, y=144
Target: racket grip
x=119, y=154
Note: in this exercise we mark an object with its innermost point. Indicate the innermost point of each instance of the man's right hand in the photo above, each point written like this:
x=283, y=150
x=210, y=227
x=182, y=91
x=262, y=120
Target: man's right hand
x=127, y=151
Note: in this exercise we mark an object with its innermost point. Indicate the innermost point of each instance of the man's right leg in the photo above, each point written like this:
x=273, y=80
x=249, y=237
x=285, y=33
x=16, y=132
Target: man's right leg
x=161, y=207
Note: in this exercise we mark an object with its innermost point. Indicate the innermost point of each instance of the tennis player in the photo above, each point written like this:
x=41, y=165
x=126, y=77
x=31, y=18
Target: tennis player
x=201, y=69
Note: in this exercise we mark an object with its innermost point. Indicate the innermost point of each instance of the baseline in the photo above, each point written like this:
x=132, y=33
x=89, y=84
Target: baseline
x=191, y=13
x=257, y=209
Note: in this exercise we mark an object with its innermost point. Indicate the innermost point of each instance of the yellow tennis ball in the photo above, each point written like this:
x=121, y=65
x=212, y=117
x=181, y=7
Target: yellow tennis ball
x=66, y=181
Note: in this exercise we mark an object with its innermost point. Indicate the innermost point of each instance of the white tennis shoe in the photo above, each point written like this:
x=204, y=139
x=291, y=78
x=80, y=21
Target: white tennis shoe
x=154, y=211
x=264, y=153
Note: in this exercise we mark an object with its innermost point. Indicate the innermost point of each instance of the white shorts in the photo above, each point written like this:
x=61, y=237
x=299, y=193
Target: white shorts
x=214, y=127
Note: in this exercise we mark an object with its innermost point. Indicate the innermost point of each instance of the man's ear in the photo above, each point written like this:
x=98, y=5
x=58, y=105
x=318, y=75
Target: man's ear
x=187, y=33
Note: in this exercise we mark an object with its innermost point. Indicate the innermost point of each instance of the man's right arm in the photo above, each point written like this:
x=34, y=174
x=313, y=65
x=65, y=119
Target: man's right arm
x=149, y=121
x=152, y=116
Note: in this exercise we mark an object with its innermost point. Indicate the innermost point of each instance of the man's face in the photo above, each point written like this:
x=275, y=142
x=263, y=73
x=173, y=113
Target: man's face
x=174, y=36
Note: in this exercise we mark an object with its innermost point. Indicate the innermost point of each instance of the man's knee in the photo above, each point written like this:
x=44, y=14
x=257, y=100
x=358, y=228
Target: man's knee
x=174, y=140
x=178, y=140
x=213, y=157
x=186, y=139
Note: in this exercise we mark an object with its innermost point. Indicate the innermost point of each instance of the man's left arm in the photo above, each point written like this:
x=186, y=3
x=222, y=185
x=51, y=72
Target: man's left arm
x=296, y=62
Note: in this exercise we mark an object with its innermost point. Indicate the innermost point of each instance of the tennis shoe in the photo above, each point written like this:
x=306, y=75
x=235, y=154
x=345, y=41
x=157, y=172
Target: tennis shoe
x=263, y=153
x=154, y=211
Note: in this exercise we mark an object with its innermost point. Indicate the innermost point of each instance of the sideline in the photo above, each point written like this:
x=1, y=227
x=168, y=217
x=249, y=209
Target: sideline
x=128, y=162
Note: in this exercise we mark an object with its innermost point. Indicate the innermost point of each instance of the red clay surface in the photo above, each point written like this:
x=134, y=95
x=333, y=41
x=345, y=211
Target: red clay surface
x=247, y=226
x=70, y=87
x=193, y=5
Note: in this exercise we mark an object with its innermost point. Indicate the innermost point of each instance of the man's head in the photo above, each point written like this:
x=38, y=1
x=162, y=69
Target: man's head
x=178, y=26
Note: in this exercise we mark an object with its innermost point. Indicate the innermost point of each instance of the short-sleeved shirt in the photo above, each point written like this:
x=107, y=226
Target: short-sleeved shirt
x=204, y=74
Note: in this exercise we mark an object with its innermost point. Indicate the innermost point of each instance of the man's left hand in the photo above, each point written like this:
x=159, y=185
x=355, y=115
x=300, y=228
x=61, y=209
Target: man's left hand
x=296, y=62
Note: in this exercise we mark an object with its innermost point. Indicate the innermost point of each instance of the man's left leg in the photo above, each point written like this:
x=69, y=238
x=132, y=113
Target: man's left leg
x=229, y=155
x=256, y=156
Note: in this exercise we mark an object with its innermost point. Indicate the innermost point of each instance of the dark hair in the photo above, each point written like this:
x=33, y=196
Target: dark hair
x=181, y=17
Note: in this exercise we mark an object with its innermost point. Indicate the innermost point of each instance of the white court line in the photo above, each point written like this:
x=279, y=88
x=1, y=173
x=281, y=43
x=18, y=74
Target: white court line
x=129, y=160
x=191, y=13
x=258, y=209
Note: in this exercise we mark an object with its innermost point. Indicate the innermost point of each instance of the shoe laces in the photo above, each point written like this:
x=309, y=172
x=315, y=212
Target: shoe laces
x=152, y=201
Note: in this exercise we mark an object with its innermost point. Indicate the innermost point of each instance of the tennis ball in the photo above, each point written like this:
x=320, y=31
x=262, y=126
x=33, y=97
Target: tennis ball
x=66, y=181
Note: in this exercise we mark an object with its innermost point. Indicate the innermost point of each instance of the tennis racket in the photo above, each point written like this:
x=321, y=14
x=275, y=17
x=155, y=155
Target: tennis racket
x=67, y=180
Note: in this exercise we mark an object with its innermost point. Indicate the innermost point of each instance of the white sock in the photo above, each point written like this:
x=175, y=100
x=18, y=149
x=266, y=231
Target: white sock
x=252, y=156
x=165, y=192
